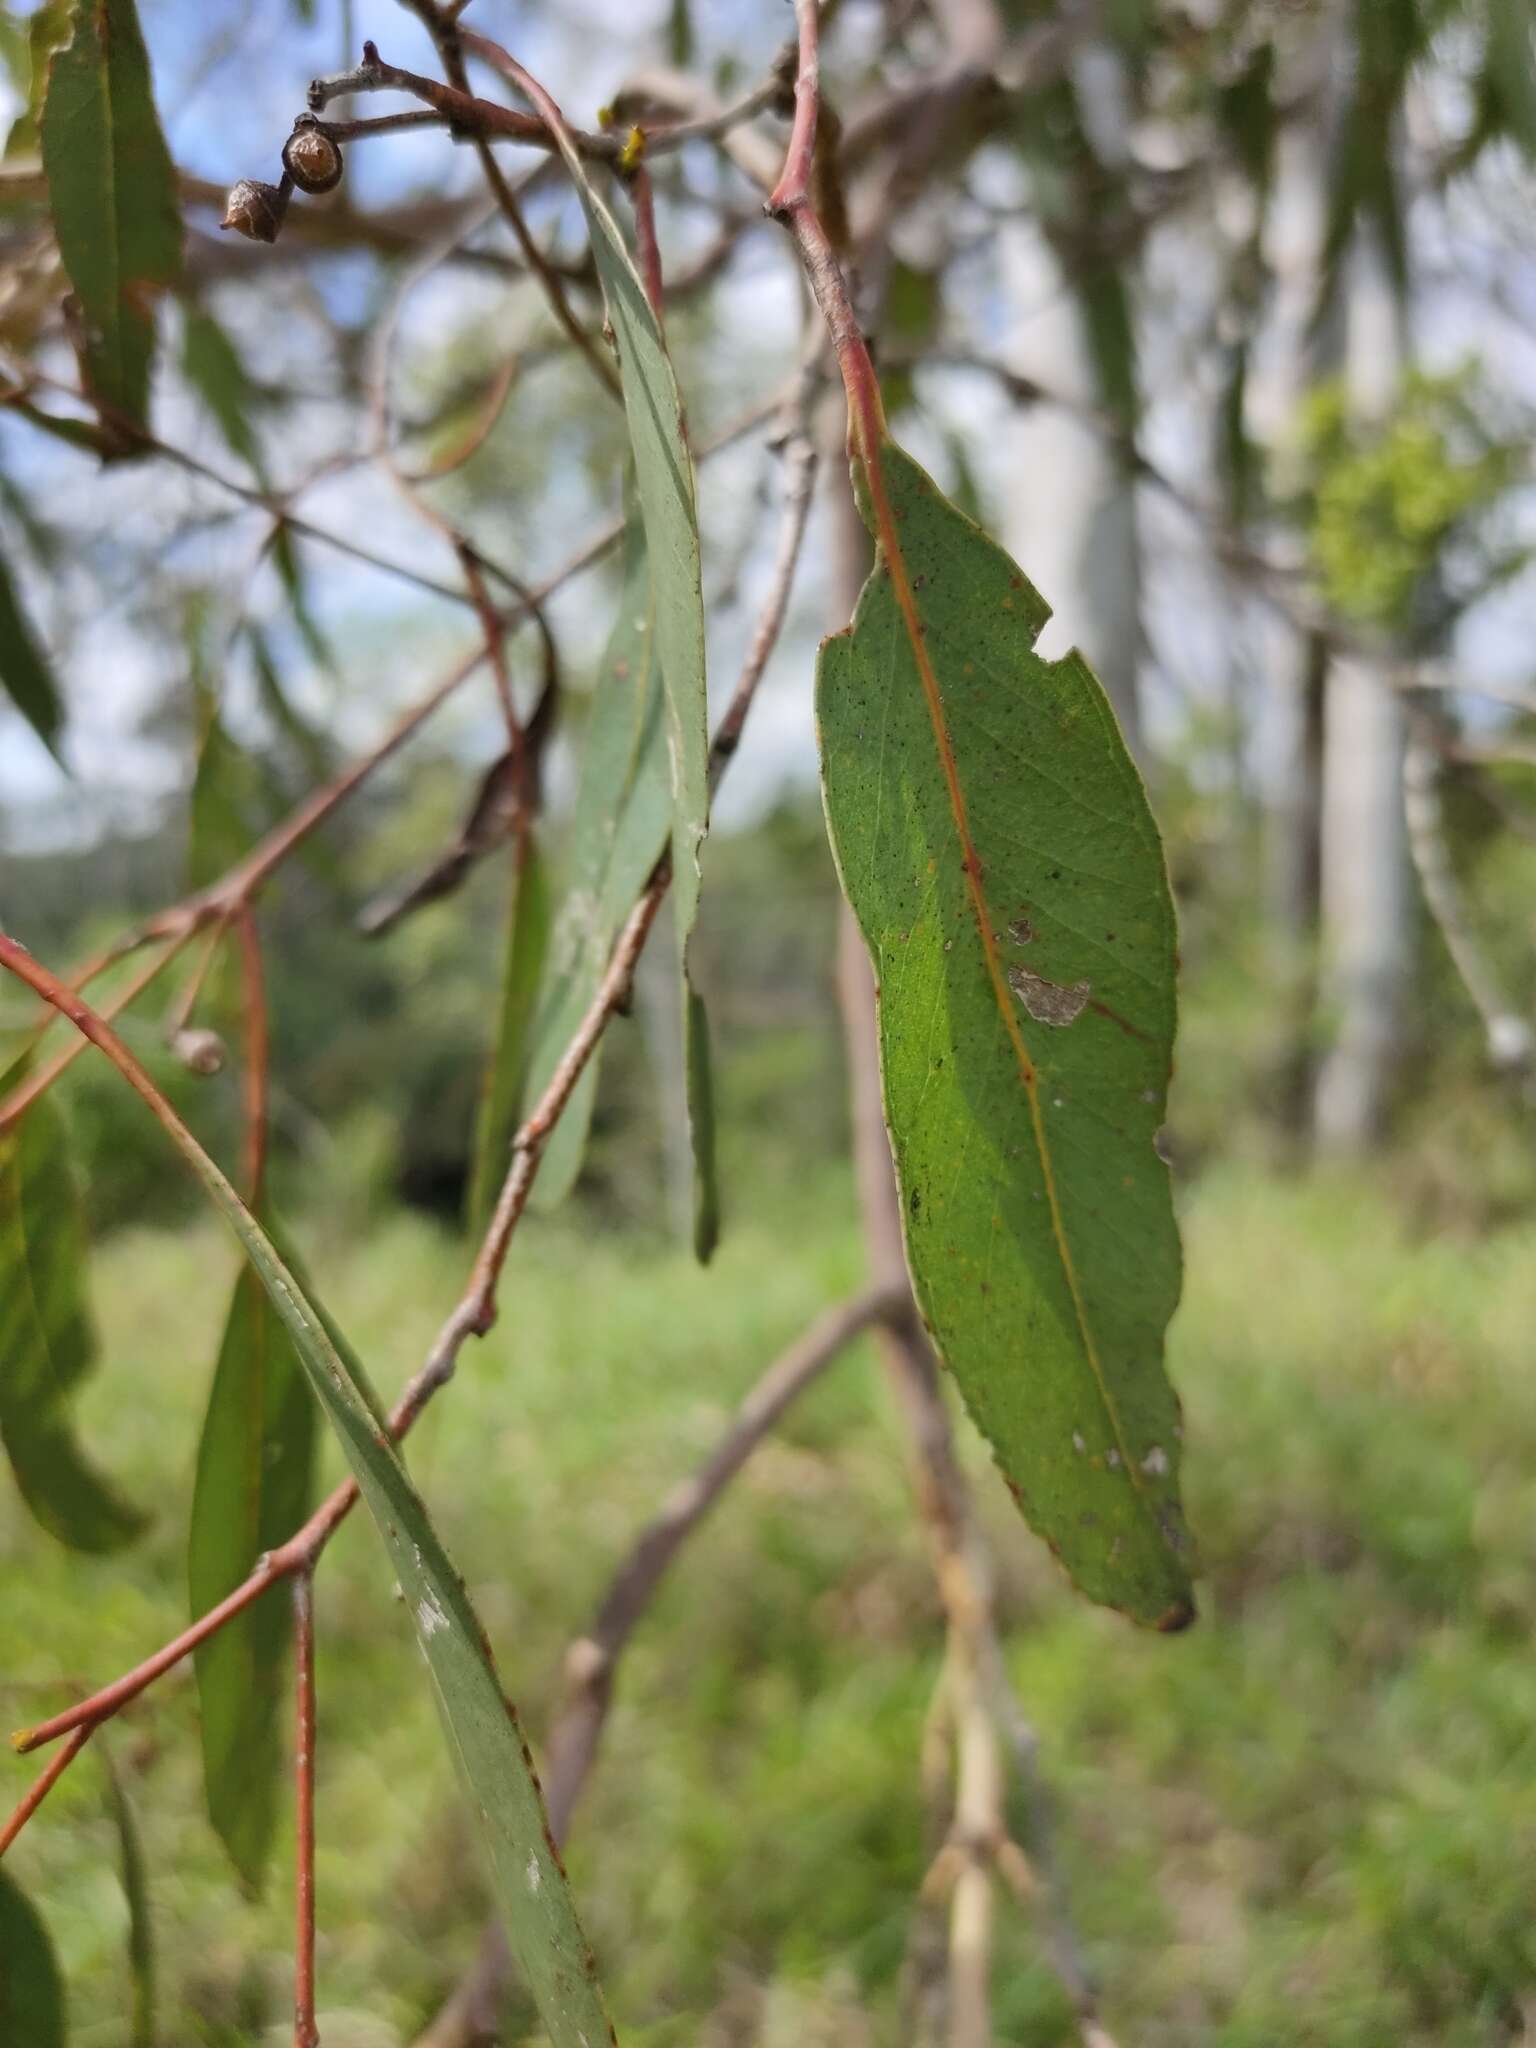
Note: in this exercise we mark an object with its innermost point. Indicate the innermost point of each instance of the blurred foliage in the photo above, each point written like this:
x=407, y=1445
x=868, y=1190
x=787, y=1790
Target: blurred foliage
x=1390, y=498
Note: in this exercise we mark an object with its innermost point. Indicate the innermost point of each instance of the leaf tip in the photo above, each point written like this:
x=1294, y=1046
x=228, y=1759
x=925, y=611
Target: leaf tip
x=1175, y=1619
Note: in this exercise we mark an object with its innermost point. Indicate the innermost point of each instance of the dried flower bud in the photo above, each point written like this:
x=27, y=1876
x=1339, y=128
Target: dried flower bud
x=255, y=210
x=311, y=157
x=201, y=1052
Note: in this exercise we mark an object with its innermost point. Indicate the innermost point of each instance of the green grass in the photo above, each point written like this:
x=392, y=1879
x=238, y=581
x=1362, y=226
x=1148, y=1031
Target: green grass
x=1311, y=1820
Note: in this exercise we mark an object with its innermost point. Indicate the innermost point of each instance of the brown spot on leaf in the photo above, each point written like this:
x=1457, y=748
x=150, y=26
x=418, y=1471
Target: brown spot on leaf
x=1048, y=1002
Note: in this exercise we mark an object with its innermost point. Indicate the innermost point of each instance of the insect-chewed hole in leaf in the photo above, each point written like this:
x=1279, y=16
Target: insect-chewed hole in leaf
x=1048, y=1002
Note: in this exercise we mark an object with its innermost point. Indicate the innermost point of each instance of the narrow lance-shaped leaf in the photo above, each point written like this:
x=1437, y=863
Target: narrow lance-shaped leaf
x=216, y=372
x=31, y=1989
x=141, y=1939
x=227, y=803
x=24, y=671
x=528, y=926
x=668, y=510
x=995, y=843
x=618, y=834
x=481, y=1726
x=112, y=189
x=700, y=1082
x=47, y=1344
x=255, y=1467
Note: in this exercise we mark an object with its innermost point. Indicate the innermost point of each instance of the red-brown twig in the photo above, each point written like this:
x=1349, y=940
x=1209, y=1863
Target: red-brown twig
x=305, y=2033
x=43, y=1784
x=258, y=1052
x=442, y=25
x=21, y=1098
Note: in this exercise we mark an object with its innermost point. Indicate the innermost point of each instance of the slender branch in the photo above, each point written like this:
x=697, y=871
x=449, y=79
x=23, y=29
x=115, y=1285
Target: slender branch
x=305, y=2033
x=274, y=503
x=800, y=466
x=470, y=116
x=44, y=1783
x=443, y=28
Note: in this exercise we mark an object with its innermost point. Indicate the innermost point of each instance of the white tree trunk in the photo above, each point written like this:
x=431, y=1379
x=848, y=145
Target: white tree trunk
x=1367, y=921
x=1070, y=516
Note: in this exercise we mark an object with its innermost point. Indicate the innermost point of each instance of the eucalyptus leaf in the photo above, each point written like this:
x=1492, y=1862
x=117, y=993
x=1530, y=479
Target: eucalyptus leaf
x=528, y=929
x=663, y=468
x=24, y=671
x=618, y=834
x=995, y=843
x=31, y=1989
x=255, y=1468
x=215, y=369
x=112, y=189
x=47, y=1343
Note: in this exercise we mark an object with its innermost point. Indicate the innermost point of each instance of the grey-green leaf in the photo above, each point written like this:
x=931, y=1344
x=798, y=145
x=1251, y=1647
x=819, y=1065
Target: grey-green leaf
x=481, y=1725
x=24, y=670
x=617, y=836
x=669, y=512
x=31, y=1989
x=255, y=1466
x=995, y=843
x=528, y=928
x=47, y=1344
x=112, y=190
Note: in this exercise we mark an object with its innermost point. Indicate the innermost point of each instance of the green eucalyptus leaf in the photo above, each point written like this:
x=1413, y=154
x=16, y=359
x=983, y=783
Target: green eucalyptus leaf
x=47, y=1344
x=24, y=671
x=996, y=846
x=290, y=569
x=228, y=801
x=112, y=189
x=528, y=928
x=31, y=1989
x=618, y=834
x=255, y=1468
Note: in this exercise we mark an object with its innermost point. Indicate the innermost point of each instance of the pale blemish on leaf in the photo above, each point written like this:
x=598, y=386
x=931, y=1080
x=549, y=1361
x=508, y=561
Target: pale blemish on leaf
x=1049, y=1002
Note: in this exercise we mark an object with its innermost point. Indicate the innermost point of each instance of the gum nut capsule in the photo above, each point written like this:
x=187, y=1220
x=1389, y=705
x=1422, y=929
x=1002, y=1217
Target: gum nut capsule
x=255, y=210
x=312, y=159
x=200, y=1052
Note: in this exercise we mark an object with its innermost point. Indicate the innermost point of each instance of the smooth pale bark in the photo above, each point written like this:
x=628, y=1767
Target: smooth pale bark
x=1367, y=921
x=1069, y=518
